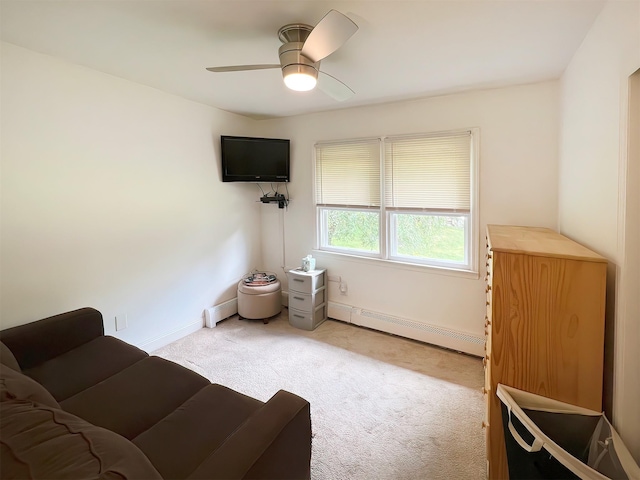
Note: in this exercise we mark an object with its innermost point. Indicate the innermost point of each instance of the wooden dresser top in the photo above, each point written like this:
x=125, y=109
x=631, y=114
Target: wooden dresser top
x=537, y=241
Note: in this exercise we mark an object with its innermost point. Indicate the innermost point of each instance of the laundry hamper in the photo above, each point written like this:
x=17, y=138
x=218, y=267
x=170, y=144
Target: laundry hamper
x=546, y=438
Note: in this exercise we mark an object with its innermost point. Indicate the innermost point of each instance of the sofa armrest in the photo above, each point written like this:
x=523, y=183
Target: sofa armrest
x=273, y=443
x=36, y=342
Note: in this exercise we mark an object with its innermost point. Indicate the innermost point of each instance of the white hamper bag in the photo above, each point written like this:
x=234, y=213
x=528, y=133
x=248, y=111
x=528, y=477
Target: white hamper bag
x=563, y=440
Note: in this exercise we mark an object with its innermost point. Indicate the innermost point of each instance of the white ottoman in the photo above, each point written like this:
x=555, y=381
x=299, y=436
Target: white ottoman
x=259, y=301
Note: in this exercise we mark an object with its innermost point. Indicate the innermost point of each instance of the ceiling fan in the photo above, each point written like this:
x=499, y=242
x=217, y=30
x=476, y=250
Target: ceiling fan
x=303, y=48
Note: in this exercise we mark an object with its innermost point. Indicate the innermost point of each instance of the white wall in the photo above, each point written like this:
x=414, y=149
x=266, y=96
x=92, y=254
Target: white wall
x=111, y=198
x=518, y=185
x=593, y=182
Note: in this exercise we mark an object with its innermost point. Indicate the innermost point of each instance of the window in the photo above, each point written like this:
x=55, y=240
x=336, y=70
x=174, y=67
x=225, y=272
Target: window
x=407, y=199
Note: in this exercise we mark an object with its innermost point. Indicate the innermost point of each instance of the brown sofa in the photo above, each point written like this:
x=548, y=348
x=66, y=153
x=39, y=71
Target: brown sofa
x=79, y=404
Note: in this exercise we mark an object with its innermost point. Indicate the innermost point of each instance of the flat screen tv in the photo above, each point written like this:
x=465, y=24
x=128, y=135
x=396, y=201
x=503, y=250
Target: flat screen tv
x=250, y=159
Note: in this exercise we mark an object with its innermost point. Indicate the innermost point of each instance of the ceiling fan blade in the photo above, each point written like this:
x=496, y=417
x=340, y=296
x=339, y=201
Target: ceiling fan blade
x=334, y=87
x=240, y=68
x=328, y=35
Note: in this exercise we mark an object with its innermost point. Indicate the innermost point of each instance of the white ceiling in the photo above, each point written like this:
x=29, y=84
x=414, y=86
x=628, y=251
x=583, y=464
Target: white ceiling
x=403, y=49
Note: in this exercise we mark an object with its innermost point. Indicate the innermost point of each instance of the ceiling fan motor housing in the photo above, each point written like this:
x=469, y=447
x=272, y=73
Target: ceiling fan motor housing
x=292, y=61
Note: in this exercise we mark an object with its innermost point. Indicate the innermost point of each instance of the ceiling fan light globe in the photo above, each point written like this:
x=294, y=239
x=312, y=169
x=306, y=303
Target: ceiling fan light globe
x=300, y=78
x=300, y=82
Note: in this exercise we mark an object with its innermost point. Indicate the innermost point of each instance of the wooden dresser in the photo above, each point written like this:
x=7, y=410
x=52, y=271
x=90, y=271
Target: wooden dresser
x=544, y=325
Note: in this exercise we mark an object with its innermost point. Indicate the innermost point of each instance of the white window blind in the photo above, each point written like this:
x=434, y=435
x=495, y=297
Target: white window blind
x=348, y=174
x=431, y=173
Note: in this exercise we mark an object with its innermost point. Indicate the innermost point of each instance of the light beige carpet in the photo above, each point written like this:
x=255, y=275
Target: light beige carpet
x=382, y=407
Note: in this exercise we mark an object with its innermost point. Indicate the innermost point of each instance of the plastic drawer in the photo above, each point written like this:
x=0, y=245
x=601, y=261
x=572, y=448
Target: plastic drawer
x=305, y=282
x=307, y=320
x=306, y=301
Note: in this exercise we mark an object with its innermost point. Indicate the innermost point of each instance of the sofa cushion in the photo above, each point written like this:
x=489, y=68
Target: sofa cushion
x=181, y=441
x=16, y=386
x=85, y=366
x=7, y=359
x=47, y=443
x=136, y=398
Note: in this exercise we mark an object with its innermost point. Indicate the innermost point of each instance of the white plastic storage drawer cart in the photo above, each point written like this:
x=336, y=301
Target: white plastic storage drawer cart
x=307, y=298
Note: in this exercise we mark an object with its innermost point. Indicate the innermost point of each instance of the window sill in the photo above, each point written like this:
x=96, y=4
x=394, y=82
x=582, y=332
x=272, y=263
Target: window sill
x=415, y=267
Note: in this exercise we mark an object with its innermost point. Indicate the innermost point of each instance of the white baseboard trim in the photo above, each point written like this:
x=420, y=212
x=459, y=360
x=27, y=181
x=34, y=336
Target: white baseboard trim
x=433, y=334
x=165, y=339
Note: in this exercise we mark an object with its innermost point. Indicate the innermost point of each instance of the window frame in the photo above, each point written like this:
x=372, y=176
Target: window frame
x=323, y=232
x=386, y=242
x=392, y=243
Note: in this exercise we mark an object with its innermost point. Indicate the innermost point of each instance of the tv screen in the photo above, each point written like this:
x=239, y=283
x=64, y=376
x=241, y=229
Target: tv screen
x=249, y=159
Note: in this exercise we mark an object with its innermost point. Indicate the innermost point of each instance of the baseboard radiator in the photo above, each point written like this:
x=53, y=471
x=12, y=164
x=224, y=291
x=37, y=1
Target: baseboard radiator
x=433, y=334
x=424, y=332
x=217, y=313
x=222, y=311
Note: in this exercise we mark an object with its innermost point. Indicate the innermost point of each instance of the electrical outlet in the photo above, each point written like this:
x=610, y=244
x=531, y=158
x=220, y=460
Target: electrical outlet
x=343, y=288
x=121, y=321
